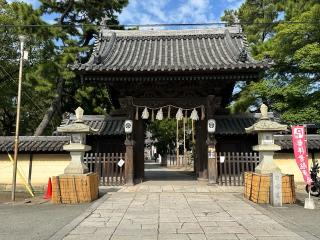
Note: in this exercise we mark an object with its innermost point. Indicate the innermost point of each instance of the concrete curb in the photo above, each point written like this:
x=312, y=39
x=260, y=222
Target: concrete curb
x=75, y=222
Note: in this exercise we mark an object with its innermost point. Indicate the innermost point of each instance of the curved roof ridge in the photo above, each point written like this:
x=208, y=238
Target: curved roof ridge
x=148, y=33
x=170, y=51
x=35, y=138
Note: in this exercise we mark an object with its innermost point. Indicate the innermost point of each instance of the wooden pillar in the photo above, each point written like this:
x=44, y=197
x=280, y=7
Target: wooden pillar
x=212, y=160
x=197, y=148
x=126, y=104
x=202, y=164
x=139, y=136
x=129, y=168
x=30, y=168
x=212, y=103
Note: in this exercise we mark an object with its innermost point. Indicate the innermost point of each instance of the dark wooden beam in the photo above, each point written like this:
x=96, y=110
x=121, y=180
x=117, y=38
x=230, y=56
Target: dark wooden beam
x=213, y=103
x=129, y=143
x=139, y=136
x=129, y=170
x=180, y=102
x=232, y=75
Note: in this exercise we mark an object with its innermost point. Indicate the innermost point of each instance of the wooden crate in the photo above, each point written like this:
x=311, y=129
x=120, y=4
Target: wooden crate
x=288, y=189
x=257, y=188
x=73, y=189
x=260, y=192
x=247, y=184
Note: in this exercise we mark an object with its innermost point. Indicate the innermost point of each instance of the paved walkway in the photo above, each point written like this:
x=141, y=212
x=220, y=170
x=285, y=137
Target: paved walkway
x=178, y=209
x=128, y=215
x=156, y=172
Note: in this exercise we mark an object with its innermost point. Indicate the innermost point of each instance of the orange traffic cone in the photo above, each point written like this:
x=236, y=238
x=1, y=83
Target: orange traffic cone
x=48, y=194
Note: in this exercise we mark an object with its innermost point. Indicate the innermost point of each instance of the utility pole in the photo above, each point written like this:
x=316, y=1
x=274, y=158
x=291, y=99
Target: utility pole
x=16, y=139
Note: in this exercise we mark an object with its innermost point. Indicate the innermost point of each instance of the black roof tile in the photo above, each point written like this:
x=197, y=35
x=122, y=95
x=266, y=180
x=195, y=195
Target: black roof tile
x=105, y=125
x=233, y=124
x=285, y=141
x=169, y=50
x=34, y=143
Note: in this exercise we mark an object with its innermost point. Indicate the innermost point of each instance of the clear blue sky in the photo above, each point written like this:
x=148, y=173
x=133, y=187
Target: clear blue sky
x=169, y=11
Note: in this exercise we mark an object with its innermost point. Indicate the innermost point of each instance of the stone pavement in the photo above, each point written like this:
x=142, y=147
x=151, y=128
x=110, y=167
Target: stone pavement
x=179, y=209
x=171, y=214
x=36, y=220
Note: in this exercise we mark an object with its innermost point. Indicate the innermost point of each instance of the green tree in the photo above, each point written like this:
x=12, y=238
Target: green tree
x=77, y=22
x=164, y=132
x=291, y=87
x=164, y=135
x=40, y=47
x=49, y=87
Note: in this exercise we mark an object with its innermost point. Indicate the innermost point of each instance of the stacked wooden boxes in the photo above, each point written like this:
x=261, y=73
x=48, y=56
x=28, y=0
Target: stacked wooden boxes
x=247, y=184
x=73, y=189
x=288, y=189
x=257, y=188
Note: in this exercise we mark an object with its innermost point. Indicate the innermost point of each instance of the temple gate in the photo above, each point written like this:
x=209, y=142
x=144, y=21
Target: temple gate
x=184, y=68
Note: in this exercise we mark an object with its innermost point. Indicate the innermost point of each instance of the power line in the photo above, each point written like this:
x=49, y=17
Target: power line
x=12, y=80
x=157, y=24
x=25, y=93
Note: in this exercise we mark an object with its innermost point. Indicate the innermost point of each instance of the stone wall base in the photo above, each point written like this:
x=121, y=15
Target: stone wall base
x=40, y=188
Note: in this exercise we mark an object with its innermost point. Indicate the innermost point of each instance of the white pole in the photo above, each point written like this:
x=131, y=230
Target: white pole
x=307, y=149
x=16, y=139
x=308, y=202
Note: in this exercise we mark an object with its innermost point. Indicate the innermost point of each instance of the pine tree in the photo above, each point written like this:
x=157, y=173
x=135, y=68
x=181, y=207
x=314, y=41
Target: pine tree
x=288, y=32
x=76, y=20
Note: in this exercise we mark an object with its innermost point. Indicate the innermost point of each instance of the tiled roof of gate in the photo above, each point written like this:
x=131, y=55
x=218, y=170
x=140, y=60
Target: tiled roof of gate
x=105, y=125
x=226, y=124
x=286, y=143
x=233, y=124
x=170, y=50
x=55, y=143
x=35, y=143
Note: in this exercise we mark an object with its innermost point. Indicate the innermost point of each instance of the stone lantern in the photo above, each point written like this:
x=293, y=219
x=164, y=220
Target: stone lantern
x=266, y=129
x=77, y=146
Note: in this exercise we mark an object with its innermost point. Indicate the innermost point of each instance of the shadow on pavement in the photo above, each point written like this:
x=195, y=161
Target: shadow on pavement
x=156, y=172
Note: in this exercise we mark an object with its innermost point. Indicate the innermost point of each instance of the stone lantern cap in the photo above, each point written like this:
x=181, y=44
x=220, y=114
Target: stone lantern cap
x=78, y=126
x=265, y=124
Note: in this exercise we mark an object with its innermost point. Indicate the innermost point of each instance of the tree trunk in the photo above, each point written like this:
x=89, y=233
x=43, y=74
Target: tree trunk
x=54, y=107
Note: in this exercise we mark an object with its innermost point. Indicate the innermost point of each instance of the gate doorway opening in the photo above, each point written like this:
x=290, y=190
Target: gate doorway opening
x=169, y=150
x=157, y=172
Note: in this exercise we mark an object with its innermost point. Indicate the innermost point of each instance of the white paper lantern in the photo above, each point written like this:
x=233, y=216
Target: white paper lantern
x=159, y=115
x=194, y=115
x=145, y=113
x=179, y=115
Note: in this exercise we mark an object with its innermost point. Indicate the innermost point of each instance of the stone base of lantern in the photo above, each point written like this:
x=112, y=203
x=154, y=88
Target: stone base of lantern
x=257, y=188
x=74, y=189
x=75, y=168
x=266, y=167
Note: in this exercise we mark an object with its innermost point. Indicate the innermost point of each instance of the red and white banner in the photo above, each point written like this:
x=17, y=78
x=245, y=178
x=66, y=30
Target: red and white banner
x=300, y=151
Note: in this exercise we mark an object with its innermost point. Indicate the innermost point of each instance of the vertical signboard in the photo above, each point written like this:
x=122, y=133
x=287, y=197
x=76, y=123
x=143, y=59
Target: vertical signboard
x=300, y=151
